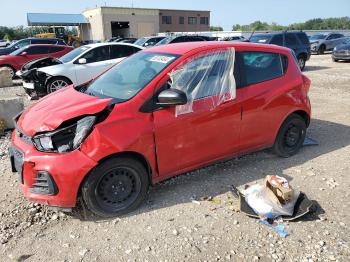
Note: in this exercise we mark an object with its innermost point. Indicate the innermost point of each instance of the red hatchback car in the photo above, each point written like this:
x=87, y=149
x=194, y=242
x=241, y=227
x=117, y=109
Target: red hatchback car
x=159, y=113
x=18, y=58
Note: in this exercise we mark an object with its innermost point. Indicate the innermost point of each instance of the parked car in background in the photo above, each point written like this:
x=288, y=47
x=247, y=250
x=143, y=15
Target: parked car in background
x=295, y=40
x=342, y=51
x=128, y=40
x=4, y=43
x=234, y=38
x=161, y=112
x=325, y=42
x=18, y=58
x=149, y=41
x=77, y=67
x=30, y=41
x=181, y=39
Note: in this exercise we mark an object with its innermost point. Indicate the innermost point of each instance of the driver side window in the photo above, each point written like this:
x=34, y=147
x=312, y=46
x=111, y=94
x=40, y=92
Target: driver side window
x=97, y=55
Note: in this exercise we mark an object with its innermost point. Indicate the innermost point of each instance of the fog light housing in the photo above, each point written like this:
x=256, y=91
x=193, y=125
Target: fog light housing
x=44, y=184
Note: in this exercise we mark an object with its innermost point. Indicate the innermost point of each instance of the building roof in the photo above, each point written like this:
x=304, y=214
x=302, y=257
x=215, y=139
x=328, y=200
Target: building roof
x=47, y=19
x=140, y=8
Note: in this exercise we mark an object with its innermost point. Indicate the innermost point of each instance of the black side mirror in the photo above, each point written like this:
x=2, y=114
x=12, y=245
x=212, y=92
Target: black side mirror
x=172, y=97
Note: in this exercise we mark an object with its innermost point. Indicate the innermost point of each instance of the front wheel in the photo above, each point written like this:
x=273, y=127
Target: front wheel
x=290, y=137
x=321, y=50
x=56, y=83
x=115, y=187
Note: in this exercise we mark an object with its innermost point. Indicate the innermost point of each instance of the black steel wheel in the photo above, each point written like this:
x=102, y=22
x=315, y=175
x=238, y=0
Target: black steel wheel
x=291, y=136
x=115, y=187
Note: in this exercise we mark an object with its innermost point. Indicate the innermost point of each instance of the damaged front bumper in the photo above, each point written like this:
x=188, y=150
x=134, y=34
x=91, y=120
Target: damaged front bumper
x=48, y=178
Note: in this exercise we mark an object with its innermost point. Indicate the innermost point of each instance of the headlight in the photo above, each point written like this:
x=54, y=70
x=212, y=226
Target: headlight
x=65, y=139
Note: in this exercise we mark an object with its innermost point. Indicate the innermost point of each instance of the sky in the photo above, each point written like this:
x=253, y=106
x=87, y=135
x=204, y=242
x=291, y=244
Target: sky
x=224, y=13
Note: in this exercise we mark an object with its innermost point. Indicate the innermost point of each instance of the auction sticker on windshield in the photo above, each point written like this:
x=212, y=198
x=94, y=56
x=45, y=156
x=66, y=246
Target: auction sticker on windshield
x=162, y=59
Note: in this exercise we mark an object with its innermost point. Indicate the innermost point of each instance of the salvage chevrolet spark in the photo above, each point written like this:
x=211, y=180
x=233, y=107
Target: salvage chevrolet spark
x=159, y=113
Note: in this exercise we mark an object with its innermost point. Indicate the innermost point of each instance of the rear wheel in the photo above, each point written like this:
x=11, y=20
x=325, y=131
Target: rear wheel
x=321, y=50
x=115, y=187
x=290, y=137
x=334, y=60
x=11, y=71
x=56, y=83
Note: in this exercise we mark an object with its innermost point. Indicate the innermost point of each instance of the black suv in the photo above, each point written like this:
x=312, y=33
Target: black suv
x=297, y=41
x=30, y=41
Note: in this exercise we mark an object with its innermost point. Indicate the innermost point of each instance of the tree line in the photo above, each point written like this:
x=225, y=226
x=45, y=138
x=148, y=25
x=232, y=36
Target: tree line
x=341, y=23
x=19, y=32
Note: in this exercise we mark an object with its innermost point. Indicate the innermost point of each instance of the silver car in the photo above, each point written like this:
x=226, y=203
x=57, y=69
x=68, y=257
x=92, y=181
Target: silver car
x=325, y=42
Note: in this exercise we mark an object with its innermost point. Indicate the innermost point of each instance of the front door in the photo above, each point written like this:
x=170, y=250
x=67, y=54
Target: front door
x=208, y=126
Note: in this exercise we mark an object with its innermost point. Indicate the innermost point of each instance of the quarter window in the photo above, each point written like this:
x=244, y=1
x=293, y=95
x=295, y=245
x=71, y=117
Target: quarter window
x=192, y=20
x=262, y=66
x=121, y=51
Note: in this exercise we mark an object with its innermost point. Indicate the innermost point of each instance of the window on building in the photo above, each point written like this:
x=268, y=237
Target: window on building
x=166, y=19
x=192, y=20
x=181, y=20
x=204, y=21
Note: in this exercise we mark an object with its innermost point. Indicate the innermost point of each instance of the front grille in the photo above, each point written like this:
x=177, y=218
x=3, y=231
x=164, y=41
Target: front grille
x=44, y=184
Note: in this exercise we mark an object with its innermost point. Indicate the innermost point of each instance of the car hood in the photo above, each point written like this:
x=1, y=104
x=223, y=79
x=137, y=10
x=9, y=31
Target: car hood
x=41, y=62
x=343, y=47
x=7, y=58
x=62, y=105
x=52, y=68
x=314, y=41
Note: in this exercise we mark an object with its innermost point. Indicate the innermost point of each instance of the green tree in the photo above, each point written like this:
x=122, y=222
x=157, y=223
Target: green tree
x=216, y=28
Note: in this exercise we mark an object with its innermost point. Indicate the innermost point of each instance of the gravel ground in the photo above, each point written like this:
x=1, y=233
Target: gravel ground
x=173, y=227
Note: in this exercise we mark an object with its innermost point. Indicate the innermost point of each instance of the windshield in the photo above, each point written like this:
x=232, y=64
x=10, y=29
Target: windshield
x=73, y=54
x=318, y=37
x=129, y=77
x=262, y=39
x=18, y=51
x=141, y=41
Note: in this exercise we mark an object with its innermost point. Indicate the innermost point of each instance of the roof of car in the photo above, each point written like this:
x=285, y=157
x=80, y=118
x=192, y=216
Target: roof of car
x=183, y=48
x=111, y=43
x=64, y=46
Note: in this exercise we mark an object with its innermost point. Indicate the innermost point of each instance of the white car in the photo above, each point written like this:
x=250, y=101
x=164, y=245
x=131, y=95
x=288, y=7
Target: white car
x=4, y=43
x=77, y=67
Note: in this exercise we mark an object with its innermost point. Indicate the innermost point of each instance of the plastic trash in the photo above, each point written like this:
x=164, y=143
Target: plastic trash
x=259, y=199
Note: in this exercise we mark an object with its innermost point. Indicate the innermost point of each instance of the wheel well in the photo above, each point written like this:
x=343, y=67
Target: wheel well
x=129, y=154
x=9, y=66
x=304, y=115
x=303, y=55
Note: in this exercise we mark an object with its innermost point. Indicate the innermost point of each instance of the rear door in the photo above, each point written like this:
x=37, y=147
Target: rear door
x=97, y=61
x=204, y=129
x=263, y=80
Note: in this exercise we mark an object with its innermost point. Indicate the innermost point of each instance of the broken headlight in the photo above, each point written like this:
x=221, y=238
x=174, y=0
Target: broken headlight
x=65, y=139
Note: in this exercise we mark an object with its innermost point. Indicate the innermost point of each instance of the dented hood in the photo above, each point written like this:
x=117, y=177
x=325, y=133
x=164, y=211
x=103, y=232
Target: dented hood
x=51, y=111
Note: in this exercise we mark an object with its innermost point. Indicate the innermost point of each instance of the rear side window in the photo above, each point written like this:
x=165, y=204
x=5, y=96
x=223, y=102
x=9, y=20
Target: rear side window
x=277, y=40
x=291, y=40
x=37, y=50
x=56, y=49
x=262, y=66
x=44, y=41
x=303, y=38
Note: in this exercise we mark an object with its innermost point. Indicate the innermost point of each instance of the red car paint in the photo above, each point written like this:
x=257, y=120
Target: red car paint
x=17, y=61
x=170, y=145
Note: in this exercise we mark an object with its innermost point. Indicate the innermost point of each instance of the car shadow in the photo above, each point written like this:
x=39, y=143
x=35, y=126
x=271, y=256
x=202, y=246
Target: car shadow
x=315, y=68
x=216, y=179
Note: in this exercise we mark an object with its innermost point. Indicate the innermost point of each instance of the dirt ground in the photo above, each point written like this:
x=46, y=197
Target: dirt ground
x=172, y=227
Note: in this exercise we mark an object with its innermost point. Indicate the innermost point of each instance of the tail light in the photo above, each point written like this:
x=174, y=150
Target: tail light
x=306, y=82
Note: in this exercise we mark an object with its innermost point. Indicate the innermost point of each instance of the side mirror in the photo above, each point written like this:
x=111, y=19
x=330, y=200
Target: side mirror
x=23, y=54
x=82, y=61
x=172, y=97
x=146, y=44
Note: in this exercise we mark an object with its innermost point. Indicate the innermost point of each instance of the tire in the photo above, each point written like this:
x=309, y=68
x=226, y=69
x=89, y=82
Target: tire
x=301, y=62
x=115, y=187
x=57, y=83
x=12, y=71
x=290, y=137
x=321, y=49
x=334, y=60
